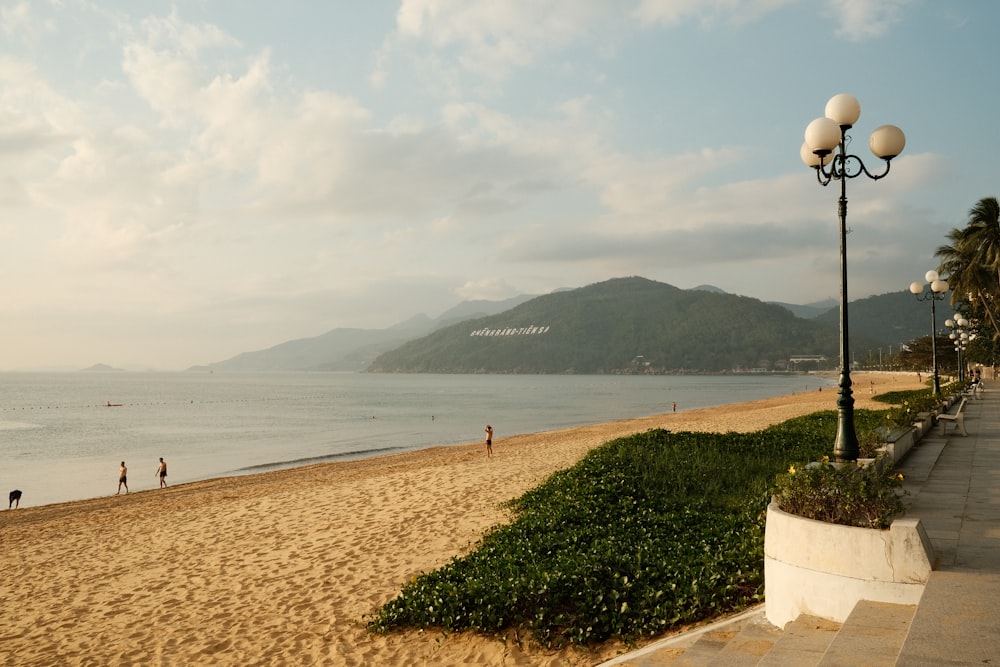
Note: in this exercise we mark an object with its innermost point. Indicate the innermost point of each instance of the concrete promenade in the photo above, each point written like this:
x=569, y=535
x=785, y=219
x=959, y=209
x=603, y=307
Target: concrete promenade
x=953, y=487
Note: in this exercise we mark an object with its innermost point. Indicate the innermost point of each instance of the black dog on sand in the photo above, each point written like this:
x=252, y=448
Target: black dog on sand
x=15, y=498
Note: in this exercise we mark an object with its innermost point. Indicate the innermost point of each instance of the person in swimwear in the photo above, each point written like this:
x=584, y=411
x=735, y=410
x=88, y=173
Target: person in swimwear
x=161, y=470
x=122, y=478
x=489, y=441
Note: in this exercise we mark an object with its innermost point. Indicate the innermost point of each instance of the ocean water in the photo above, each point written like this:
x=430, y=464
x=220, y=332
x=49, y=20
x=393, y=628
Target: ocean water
x=60, y=440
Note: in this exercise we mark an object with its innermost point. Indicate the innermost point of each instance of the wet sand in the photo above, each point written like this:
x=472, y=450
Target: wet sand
x=283, y=567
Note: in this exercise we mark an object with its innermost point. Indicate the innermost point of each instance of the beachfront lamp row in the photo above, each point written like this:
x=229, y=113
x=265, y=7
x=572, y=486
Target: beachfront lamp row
x=823, y=135
x=938, y=286
x=957, y=324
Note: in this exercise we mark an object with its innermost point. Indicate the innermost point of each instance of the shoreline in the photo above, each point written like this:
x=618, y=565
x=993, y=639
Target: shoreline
x=284, y=565
x=238, y=424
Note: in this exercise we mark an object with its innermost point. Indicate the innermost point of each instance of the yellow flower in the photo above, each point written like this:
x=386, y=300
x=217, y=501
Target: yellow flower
x=791, y=469
x=899, y=476
x=826, y=459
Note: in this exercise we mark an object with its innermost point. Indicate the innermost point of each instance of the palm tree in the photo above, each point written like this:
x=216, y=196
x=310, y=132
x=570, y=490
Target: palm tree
x=971, y=283
x=982, y=236
x=972, y=260
x=954, y=264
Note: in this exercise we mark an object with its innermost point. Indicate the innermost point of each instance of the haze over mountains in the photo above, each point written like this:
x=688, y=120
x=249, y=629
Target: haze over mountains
x=350, y=349
x=652, y=309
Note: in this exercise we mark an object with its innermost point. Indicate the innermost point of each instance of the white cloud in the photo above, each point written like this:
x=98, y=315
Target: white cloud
x=491, y=39
x=164, y=62
x=866, y=19
x=706, y=12
x=486, y=289
x=856, y=19
x=19, y=22
x=642, y=191
x=188, y=39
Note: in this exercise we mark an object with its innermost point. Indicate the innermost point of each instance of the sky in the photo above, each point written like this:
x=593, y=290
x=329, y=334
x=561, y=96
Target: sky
x=183, y=182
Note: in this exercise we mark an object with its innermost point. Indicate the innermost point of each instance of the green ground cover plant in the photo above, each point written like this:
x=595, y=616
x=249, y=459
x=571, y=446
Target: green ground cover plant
x=645, y=534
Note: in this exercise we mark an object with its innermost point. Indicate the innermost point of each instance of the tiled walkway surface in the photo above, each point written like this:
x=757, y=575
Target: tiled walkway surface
x=958, y=618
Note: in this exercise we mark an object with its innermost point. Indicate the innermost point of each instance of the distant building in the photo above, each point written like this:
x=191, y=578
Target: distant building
x=806, y=362
x=802, y=358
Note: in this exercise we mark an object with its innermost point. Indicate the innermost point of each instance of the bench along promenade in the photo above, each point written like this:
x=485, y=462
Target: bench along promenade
x=952, y=480
x=956, y=417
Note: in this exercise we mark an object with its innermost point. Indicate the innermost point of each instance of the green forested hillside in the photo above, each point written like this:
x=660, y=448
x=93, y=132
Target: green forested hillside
x=620, y=325
x=889, y=319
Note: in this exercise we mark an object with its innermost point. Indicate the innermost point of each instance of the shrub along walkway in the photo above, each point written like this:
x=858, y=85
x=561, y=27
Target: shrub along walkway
x=954, y=489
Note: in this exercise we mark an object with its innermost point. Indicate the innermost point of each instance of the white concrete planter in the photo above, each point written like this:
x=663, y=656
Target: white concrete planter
x=923, y=424
x=900, y=441
x=824, y=569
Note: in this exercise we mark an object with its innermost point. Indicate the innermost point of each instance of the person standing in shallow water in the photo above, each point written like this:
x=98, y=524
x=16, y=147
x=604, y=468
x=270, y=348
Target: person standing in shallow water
x=122, y=478
x=489, y=441
x=161, y=470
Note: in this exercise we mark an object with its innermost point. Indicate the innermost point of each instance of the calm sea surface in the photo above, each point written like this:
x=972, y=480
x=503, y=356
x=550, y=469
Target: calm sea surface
x=60, y=441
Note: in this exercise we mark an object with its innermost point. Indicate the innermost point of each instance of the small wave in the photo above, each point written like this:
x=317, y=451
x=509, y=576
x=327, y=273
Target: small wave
x=17, y=426
x=294, y=463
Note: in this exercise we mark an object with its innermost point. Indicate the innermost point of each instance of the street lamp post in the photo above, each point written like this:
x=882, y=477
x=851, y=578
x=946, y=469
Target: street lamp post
x=933, y=291
x=825, y=150
x=961, y=338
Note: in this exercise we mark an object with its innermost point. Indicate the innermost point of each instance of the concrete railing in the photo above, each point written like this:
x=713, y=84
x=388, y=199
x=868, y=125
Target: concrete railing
x=825, y=569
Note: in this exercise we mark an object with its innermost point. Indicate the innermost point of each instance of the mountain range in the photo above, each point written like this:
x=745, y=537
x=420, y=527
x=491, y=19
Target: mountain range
x=602, y=328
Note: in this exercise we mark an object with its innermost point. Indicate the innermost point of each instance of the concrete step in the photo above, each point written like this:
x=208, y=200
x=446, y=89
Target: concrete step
x=707, y=648
x=754, y=640
x=710, y=639
x=958, y=620
x=872, y=635
x=758, y=643
x=803, y=642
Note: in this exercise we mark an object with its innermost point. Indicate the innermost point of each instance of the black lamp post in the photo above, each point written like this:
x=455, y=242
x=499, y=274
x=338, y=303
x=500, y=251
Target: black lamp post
x=933, y=291
x=825, y=150
x=961, y=338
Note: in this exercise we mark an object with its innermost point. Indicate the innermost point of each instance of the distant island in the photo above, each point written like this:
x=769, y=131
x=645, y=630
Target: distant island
x=103, y=367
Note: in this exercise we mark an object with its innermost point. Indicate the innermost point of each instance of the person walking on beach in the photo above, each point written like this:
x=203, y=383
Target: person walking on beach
x=122, y=478
x=161, y=470
x=489, y=441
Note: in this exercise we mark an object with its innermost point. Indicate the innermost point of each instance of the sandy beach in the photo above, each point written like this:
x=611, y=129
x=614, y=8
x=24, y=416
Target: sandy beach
x=283, y=567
